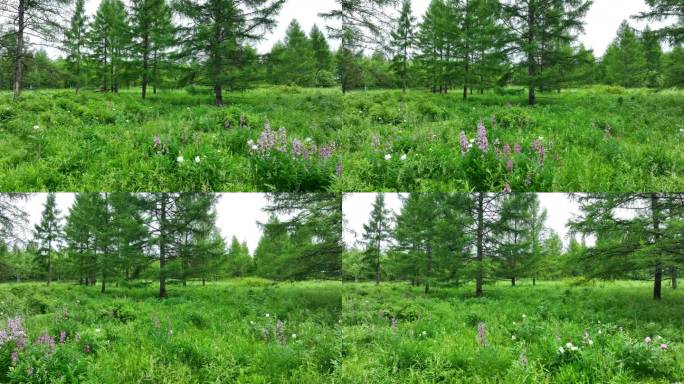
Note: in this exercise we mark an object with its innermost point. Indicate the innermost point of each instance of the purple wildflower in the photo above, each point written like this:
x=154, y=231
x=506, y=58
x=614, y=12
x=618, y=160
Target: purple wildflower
x=507, y=188
x=539, y=148
x=338, y=169
x=517, y=148
x=528, y=181
x=282, y=140
x=481, y=334
x=509, y=165
x=62, y=337
x=267, y=139
x=507, y=149
x=297, y=147
x=326, y=151
x=376, y=141
x=87, y=348
x=21, y=342
x=280, y=331
x=29, y=370
x=15, y=357
x=482, y=141
x=464, y=142
x=46, y=339
x=265, y=334
x=78, y=337
x=157, y=141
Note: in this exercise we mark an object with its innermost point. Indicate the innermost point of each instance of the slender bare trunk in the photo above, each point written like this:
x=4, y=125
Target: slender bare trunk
x=162, y=248
x=480, y=245
x=429, y=268
x=19, y=55
x=658, y=274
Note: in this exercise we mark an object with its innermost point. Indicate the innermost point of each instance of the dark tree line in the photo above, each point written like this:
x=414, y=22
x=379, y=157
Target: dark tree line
x=154, y=43
x=485, y=44
x=110, y=238
x=483, y=238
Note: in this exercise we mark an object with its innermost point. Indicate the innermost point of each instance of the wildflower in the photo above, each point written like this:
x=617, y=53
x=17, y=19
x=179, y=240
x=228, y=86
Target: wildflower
x=307, y=140
x=481, y=334
x=424, y=333
x=36, y=127
x=197, y=159
x=265, y=334
x=590, y=342
x=507, y=149
x=513, y=338
x=46, y=339
x=663, y=346
x=338, y=169
x=403, y=157
x=87, y=348
x=180, y=159
x=280, y=331
x=282, y=140
x=326, y=151
x=29, y=370
x=297, y=147
x=388, y=157
x=294, y=335
x=507, y=188
x=561, y=350
x=569, y=346
x=517, y=148
x=393, y=324
x=522, y=360
x=647, y=340
x=509, y=165
x=464, y=142
x=254, y=147
x=524, y=316
x=528, y=181
x=157, y=141
x=62, y=337
x=482, y=142
x=15, y=357
x=170, y=332
x=268, y=315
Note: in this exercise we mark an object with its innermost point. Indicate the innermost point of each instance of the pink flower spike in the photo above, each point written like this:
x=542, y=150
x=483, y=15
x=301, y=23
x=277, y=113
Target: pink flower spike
x=663, y=346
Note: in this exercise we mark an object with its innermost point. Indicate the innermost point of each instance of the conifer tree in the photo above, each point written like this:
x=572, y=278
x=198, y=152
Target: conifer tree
x=218, y=30
x=624, y=61
x=402, y=43
x=376, y=232
x=533, y=27
x=75, y=44
x=48, y=234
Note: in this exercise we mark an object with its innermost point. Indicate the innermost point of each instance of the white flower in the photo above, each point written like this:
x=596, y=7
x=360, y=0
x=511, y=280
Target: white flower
x=308, y=139
x=254, y=147
x=524, y=316
x=514, y=323
x=36, y=127
x=268, y=315
x=590, y=342
x=294, y=335
x=568, y=345
x=388, y=157
x=647, y=340
x=599, y=321
x=180, y=159
x=251, y=322
x=599, y=332
x=513, y=337
x=197, y=159
x=561, y=350
x=97, y=330
x=403, y=157
x=424, y=333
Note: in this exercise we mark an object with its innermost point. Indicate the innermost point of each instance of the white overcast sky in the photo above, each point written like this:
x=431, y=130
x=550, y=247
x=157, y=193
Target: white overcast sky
x=356, y=208
x=236, y=214
x=602, y=20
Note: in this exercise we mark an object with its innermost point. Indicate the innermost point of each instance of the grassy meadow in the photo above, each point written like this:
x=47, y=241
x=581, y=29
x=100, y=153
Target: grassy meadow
x=595, y=139
x=224, y=332
x=513, y=334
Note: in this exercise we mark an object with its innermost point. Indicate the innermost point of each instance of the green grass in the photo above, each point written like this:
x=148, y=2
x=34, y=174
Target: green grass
x=595, y=139
x=643, y=151
x=436, y=335
x=211, y=334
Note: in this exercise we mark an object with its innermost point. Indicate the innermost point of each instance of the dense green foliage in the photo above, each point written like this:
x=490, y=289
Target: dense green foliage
x=397, y=334
x=595, y=139
x=248, y=330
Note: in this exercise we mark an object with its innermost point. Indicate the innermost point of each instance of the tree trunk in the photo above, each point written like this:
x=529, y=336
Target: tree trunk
x=531, y=60
x=513, y=281
x=673, y=276
x=145, y=79
x=49, y=257
x=377, y=266
x=534, y=281
x=204, y=281
x=155, y=72
x=218, y=95
x=480, y=250
x=429, y=269
x=103, y=288
x=658, y=275
x=162, y=248
x=19, y=55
